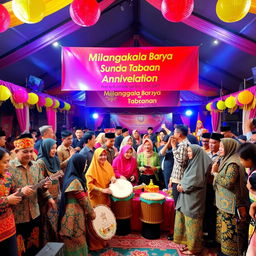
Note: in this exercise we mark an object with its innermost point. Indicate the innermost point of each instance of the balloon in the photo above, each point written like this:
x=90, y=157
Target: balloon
x=62, y=105
x=232, y=10
x=68, y=107
x=4, y=19
x=221, y=105
x=20, y=96
x=48, y=102
x=85, y=13
x=230, y=102
x=253, y=7
x=5, y=93
x=245, y=97
x=32, y=98
x=177, y=10
x=29, y=11
x=208, y=106
x=56, y=104
x=41, y=101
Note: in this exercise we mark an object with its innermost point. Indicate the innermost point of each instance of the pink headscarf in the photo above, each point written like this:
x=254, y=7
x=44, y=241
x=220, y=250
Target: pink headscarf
x=123, y=166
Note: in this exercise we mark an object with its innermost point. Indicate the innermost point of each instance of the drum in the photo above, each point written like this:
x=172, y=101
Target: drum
x=104, y=225
x=152, y=208
x=122, y=194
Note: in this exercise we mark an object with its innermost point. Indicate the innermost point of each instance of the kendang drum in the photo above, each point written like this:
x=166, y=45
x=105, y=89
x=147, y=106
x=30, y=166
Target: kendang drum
x=104, y=225
x=121, y=204
x=151, y=214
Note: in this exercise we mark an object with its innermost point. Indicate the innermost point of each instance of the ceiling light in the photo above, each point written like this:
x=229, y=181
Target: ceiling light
x=216, y=42
x=56, y=44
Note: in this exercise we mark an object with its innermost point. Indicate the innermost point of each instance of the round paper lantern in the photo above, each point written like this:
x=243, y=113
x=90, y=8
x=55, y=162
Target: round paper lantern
x=32, y=98
x=5, y=93
x=208, y=106
x=20, y=96
x=48, y=102
x=68, y=107
x=232, y=10
x=85, y=13
x=177, y=10
x=62, y=105
x=4, y=18
x=41, y=101
x=29, y=11
x=245, y=97
x=230, y=102
x=221, y=105
x=56, y=104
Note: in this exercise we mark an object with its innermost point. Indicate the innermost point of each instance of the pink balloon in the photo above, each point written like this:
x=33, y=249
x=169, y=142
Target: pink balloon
x=20, y=96
x=41, y=101
x=177, y=10
x=85, y=13
x=4, y=18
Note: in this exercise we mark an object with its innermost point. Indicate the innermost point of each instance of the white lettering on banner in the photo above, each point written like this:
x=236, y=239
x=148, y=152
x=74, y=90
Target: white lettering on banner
x=129, y=79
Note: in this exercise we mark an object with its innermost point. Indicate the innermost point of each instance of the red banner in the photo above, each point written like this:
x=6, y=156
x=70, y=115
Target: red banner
x=128, y=69
x=113, y=99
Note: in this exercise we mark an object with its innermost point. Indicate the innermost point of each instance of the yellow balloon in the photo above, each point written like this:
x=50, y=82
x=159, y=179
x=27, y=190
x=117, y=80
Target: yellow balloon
x=29, y=11
x=245, y=97
x=208, y=106
x=232, y=10
x=5, y=93
x=68, y=107
x=57, y=104
x=221, y=105
x=230, y=102
x=48, y=102
x=32, y=98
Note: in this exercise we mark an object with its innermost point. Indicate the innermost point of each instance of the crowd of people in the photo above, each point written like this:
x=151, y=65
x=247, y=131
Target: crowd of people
x=48, y=191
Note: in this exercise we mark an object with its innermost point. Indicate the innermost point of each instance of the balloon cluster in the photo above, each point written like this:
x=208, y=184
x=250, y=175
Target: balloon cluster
x=242, y=99
x=20, y=96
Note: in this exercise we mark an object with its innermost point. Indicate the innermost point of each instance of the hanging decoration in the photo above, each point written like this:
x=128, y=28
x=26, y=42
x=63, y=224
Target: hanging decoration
x=48, y=102
x=67, y=106
x=208, y=106
x=62, y=105
x=5, y=93
x=56, y=104
x=221, y=105
x=4, y=19
x=245, y=97
x=253, y=7
x=177, y=10
x=230, y=102
x=41, y=102
x=32, y=98
x=19, y=97
x=85, y=13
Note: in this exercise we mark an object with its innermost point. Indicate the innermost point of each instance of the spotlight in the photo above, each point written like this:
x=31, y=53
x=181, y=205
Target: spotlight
x=95, y=115
x=216, y=42
x=56, y=44
x=189, y=112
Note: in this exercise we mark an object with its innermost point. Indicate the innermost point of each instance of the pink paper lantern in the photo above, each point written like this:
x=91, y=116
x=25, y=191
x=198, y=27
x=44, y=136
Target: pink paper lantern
x=20, y=96
x=177, y=10
x=41, y=102
x=4, y=18
x=85, y=13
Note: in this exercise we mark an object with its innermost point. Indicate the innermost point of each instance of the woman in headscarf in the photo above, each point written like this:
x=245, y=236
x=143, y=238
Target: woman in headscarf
x=49, y=164
x=231, y=200
x=148, y=163
x=125, y=165
x=136, y=139
x=100, y=140
x=98, y=178
x=75, y=208
x=190, y=206
x=128, y=141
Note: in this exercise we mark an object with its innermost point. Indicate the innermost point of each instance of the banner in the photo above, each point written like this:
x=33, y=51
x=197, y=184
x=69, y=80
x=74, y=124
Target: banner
x=138, y=99
x=141, y=122
x=129, y=69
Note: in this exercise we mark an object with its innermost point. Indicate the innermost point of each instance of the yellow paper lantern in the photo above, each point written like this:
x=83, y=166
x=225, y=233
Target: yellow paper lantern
x=29, y=11
x=208, y=106
x=230, y=102
x=67, y=107
x=57, y=104
x=232, y=10
x=221, y=105
x=32, y=98
x=48, y=102
x=5, y=93
x=245, y=97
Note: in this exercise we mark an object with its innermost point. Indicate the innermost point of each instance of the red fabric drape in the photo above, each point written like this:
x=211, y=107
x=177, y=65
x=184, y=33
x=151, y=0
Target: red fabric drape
x=23, y=118
x=215, y=121
x=52, y=118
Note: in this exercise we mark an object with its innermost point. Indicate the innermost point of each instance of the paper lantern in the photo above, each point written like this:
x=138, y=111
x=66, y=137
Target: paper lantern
x=5, y=93
x=208, y=106
x=20, y=96
x=177, y=10
x=85, y=13
x=62, y=105
x=56, y=104
x=41, y=101
x=232, y=10
x=68, y=107
x=253, y=7
x=4, y=18
x=230, y=102
x=32, y=98
x=48, y=102
x=29, y=11
x=245, y=97
x=221, y=105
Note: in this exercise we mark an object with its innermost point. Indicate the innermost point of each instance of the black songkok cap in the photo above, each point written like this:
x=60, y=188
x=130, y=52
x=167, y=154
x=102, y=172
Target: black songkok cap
x=150, y=128
x=225, y=128
x=2, y=133
x=217, y=136
x=65, y=134
x=206, y=135
x=109, y=135
x=124, y=130
x=119, y=127
x=23, y=136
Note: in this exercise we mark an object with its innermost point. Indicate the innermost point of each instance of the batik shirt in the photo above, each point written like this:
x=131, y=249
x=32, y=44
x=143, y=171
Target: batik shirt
x=64, y=155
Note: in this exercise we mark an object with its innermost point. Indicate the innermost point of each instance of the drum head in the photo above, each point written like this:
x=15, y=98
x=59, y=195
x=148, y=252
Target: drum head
x=121, y=188
x=152, y=196
x=105, y=222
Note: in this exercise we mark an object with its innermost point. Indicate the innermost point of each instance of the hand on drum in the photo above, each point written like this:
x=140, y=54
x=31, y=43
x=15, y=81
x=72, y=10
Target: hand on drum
x=132, y=178
x=113, y=179
x=106, y=191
